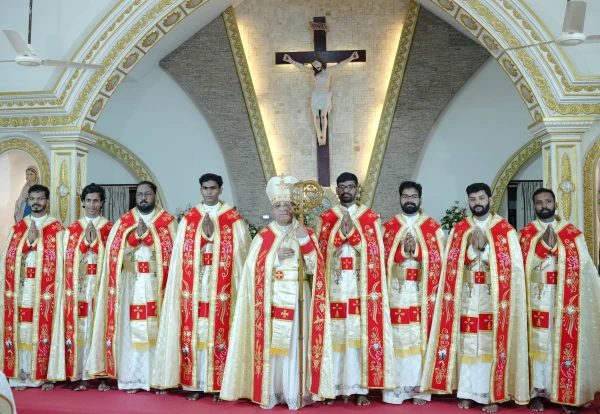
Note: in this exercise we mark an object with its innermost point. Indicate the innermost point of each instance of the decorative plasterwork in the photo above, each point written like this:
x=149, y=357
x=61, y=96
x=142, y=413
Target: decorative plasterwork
x=510, y=168
x=389, y=105
x=129, y=159
x=255, y=117
x=119, y=41
x=590, y=198
x=532, y=73
x=23, y=144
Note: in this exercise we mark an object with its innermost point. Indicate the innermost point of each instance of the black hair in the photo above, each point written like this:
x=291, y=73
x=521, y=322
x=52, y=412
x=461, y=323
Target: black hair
x=211, y=177
x=93, y=188
x=347, y=177
x=477, y=187
x=38, y=188
x=149, y=184
x=411, y=184
x=544, y=190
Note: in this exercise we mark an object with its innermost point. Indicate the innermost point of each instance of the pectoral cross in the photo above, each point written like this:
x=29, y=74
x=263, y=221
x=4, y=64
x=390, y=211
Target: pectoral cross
x=319, y=27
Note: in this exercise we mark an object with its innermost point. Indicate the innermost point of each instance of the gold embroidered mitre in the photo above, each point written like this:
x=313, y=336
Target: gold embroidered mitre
x=280, y=188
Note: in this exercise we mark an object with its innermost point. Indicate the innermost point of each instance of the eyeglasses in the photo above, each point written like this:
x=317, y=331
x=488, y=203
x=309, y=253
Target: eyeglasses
x=282, y=207
x=144, y=195
x=407, y=197
x=346, y=187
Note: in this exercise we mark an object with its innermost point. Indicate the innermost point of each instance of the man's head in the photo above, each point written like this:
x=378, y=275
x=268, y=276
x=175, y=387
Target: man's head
x=211, y=187
x=347, y=188
x=480, y=199
x=283, y=211
x=318, y=64
x=145, y=196
x=38, y=199
x=544, y=203
x=92, y=198
x=410, y=197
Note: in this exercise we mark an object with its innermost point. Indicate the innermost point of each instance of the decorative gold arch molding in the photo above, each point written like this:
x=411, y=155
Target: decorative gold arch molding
x=31, y=148
x=590, y=198
x=128, y=158
x=510, y=168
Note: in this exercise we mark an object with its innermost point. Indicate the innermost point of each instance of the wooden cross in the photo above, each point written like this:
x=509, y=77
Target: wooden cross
x=319, y=27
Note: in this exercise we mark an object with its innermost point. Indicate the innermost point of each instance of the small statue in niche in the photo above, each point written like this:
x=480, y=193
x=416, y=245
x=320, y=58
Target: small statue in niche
x=22, y=208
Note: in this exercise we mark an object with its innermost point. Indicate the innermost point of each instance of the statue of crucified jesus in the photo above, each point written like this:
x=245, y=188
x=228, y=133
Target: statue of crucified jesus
x=321, y=97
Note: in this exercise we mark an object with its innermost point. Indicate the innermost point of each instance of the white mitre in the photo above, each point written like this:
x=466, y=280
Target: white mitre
x=280, y=188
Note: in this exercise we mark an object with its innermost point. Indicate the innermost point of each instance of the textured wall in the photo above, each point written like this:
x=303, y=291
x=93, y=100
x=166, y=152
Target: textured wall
x=270, y=26
x=441, y=60
x=205, y=69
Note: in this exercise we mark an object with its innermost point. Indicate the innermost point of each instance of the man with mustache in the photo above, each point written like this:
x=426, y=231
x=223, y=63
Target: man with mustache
x=129, y=300
x=208, y=258
x=350, y=239
x=414, y=248
x=31, y=298
x=563, y=291
x=478, y=341
x=85, y=246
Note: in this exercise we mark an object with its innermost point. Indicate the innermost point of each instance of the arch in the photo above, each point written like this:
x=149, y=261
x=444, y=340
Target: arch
x=590, y=192
x=127, y=157
x=31, y=148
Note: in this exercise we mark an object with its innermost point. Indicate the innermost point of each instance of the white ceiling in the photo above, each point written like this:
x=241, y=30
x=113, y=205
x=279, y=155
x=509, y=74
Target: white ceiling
x=60, y=27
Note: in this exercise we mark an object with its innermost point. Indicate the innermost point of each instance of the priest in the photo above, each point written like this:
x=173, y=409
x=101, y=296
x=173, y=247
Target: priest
x=210, y=249
x=478, y=340
x=85, y=246
x=31, y=298
x=414, y=249
x=264, y=363
x=350, y=240
x=562, y=308
x=131, y=287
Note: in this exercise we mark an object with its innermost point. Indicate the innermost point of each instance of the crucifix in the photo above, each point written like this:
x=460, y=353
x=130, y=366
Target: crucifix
x=321, y=97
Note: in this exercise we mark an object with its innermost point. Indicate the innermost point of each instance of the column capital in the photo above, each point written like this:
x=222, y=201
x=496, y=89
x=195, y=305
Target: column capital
x=68, y=138
x=563, y=128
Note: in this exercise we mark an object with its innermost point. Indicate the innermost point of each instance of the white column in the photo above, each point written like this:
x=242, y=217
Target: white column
x=563, y=162
x=68, y=163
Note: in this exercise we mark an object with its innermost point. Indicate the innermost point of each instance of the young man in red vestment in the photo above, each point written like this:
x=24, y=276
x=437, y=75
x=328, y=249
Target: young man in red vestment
x=562, y=308
x=85, y=246
x=350, y=240
x=31, y=298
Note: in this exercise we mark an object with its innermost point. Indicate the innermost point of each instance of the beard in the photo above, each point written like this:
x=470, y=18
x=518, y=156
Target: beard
x=480, y=211
x=544, y=213
x=317, y=71
x=36, y=208
x=145, y=207
x=410, y=207
x=347, y=198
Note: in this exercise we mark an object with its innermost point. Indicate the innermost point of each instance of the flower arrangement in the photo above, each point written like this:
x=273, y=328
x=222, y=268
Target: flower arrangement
x=454, y=214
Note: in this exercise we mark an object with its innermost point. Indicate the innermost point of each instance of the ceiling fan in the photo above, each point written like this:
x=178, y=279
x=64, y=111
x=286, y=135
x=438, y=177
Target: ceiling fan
x=26, y=55
x=572, y=31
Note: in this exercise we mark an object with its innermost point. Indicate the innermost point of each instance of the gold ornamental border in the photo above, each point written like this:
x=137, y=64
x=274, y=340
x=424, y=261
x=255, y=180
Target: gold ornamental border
x=389, y=106
x=510, y=168
x=590, y=194
x=126, y=156
x=31, y=148
x=254, y=115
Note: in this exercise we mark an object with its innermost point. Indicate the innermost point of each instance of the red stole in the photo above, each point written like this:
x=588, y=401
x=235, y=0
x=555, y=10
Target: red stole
x=567, y=318
x=445, y=358
x=45, y=281
x=72, y=254
x=434, y=268
x=127, y=224
x=373, y=348
x=189, y=313
x=317, y=317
